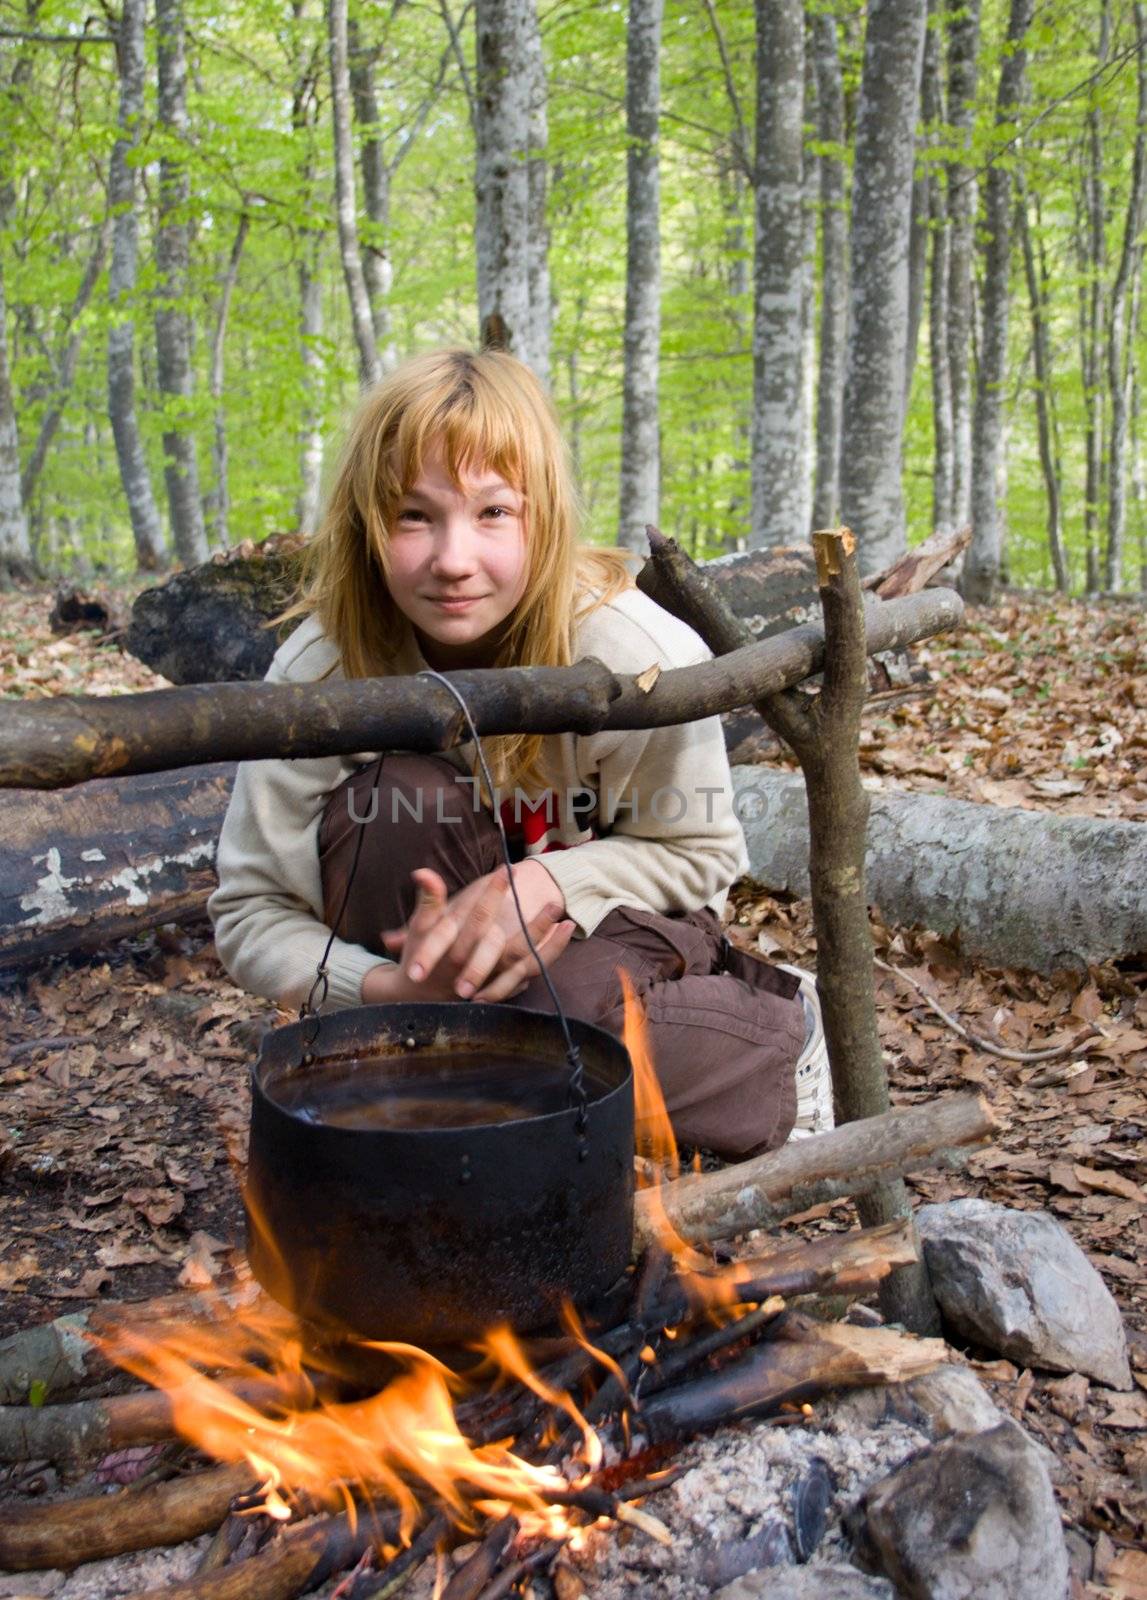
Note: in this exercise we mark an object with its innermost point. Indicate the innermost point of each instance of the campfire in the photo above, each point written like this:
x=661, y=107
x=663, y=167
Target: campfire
x=516, y=1446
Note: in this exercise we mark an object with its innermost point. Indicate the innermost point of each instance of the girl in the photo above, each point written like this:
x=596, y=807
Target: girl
x=450, y=542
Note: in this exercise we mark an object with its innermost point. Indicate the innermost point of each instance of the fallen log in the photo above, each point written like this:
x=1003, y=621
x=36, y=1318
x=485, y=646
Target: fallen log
x=69, y=1532
x=108, y=859
x=54, y=743
x=851, y=1160
x=210, y=624
x=1021, y=888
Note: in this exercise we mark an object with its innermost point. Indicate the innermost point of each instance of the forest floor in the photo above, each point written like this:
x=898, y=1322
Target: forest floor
x=123, y=1096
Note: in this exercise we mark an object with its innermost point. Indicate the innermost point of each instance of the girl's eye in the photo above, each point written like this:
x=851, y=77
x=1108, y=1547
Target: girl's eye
x=411, y=514
x=497, y=512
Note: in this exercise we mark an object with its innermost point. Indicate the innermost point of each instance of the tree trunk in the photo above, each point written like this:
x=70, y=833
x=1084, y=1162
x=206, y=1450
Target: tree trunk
x=982, y=566
x=963, y=47
x=376, y=196
x=943, y=451
x=134, y=474
x=779, y=495
x=1118, y=364
x=640, y=412
x=537, y=185
x=221, y=495
x=66, y=371
x=172, y=321
x=311, y=433
x=872, y=500
x=1037, y=286
x=15, y=547
x=834, y=284
x=369, y=367
x=923, y=182
x=509, y=251
x=1092, y=297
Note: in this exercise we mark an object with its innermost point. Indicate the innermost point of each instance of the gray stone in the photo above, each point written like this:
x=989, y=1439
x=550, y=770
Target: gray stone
x=954, y=1401
x=971, y=1518
x=831, y=1581
x=1016, y=1282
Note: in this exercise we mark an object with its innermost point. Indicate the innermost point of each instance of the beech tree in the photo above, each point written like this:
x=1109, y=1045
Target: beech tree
x=834, y=270
x=509, y=234
x=982, y=565
x=133, y=466
x=779, y=481
x=963, y=49
x=640, y=416
x=871, y=492
x=362, y=322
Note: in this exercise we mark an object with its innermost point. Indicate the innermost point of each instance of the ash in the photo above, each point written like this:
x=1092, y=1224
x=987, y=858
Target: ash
x=741, y=1505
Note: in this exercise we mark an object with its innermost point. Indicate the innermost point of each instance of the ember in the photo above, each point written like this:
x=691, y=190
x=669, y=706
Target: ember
x=526, y=1448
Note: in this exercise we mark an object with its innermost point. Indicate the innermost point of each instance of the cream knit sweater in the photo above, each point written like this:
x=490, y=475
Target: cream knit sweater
x=666, y=836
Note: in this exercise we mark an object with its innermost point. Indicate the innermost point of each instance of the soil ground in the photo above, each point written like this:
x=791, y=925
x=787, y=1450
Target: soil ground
x=123, y=1090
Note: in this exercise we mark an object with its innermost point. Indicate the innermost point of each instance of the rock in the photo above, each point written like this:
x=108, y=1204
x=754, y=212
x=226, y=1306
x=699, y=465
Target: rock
x=812, y=1498
x=829, y=1582
x=1016, y=1282
x=770, y=1547
x=949, y=1400
x=954, y=1401
x=971, y=1518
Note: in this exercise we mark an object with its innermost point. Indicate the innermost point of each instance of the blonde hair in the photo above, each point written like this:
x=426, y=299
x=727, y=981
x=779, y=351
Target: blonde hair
x=483, y=409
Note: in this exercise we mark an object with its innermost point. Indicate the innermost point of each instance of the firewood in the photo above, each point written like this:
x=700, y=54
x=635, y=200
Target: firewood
x=69, y=1532
x=54, y=743
x=851, y=1160
x=473, y=1575
x=61, y=1356
x=807, y=1359
x=305, y=1556
x=92, y=1427
x=918, y=566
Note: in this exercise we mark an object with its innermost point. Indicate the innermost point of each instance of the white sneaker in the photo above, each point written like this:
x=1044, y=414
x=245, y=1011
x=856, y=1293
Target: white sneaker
x=814, y=1080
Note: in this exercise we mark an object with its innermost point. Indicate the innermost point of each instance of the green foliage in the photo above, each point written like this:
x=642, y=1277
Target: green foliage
x=260, y=145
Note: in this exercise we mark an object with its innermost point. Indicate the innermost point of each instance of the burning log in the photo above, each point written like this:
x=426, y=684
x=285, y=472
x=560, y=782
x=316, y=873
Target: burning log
x=93, y=1427
x=305, y=1556
x=803, y=1360
x=54, y=743
x=851, y=1160
x=70, y=1532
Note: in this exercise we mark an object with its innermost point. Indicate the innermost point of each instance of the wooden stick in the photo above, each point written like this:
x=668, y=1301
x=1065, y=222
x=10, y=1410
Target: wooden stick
x=53, y=743
x=1027, y=1057
x=67, y=1533
x=824, y=732
x=807, y=1359
x=851, y=1160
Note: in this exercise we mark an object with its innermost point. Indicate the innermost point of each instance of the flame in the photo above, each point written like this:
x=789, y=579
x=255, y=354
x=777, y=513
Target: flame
x=716, y=1289
x=399, y=1444
x=505, y=1351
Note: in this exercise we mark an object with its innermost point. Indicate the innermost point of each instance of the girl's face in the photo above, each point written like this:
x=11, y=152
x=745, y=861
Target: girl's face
x=458, y=561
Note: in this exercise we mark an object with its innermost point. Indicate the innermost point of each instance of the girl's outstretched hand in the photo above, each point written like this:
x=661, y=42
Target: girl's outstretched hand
x=470, y=947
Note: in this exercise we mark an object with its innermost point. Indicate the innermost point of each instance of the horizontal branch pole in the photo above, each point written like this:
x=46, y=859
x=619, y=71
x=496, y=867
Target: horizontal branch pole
x=54, y=743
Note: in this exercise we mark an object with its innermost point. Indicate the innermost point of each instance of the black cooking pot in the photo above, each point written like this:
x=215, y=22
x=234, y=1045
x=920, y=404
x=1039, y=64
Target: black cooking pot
x=433, y=1234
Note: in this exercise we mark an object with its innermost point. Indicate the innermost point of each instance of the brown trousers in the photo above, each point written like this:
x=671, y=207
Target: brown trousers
x=725, y=1030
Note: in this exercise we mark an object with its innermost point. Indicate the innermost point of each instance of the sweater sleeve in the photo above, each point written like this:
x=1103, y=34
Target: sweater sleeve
x=675, y=842
x=664, y=795
x=268, y=907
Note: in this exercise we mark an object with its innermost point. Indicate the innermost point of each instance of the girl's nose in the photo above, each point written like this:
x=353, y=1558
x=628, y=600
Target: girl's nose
x=454, y=549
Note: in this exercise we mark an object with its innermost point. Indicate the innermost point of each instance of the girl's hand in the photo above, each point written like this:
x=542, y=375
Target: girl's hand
x=470, y=947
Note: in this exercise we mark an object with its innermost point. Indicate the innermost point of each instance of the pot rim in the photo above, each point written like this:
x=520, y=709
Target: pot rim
x=583, y=1033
